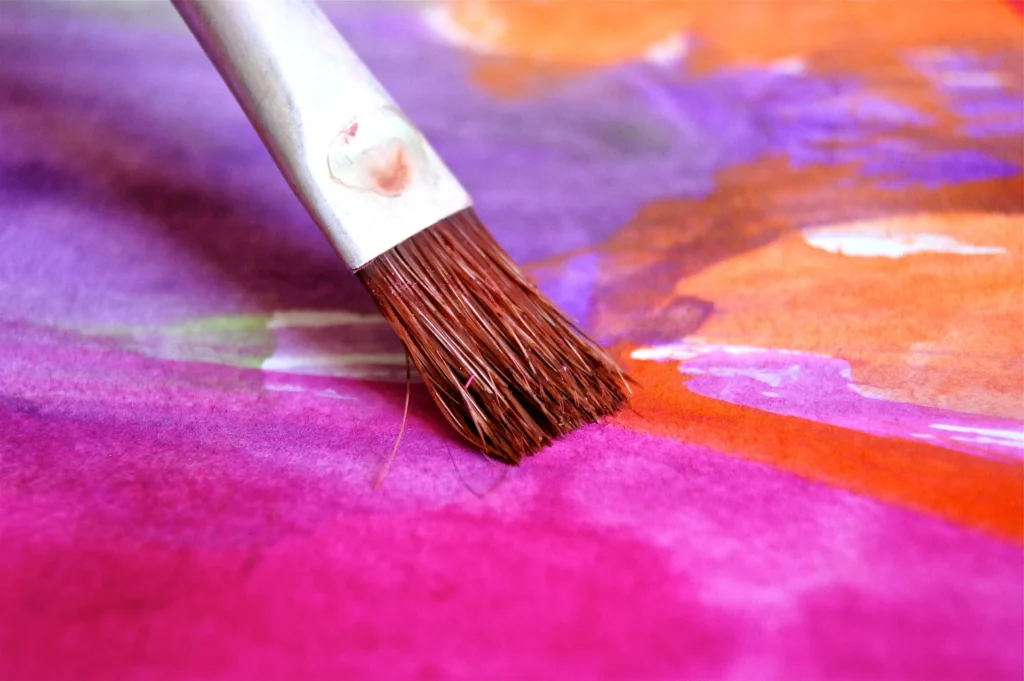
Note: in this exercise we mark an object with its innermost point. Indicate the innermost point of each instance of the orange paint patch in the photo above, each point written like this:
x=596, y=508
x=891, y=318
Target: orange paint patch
x=752, y=31
x=977, y=492
x=932, y=328
x=541, y=42
x=938, y=329
x=935, y=329
x=571, y=32
x=532, y=46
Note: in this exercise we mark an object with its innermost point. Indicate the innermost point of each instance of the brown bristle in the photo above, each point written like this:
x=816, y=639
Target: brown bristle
x=508, y=369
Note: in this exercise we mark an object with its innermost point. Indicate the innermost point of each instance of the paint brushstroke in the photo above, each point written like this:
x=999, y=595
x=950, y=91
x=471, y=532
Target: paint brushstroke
x=821, y=389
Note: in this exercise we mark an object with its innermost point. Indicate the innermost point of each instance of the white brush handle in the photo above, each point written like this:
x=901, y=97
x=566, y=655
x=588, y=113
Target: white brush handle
x=362, y=169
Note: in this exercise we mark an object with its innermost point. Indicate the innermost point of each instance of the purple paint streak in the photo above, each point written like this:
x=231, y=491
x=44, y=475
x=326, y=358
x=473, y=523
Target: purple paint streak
x=571, y=284
x=983, y=90
x=813, y=119
x=821, y=389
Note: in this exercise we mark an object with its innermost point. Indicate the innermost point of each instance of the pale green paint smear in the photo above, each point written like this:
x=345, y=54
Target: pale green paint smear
x=250, y=341
x=222, y=324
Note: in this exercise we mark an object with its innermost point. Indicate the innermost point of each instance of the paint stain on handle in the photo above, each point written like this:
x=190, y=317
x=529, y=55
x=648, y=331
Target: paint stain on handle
x=392, y=176
x=381, y=157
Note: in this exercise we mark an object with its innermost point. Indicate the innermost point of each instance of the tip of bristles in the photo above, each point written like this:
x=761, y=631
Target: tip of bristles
x=509, y=370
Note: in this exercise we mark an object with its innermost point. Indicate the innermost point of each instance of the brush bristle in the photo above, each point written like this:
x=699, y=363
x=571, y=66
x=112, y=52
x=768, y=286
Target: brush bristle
x=508, y=369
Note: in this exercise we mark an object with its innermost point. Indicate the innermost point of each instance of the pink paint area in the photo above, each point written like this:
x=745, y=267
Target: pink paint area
x=179, y=520
x=822, y=389
x=171, y=520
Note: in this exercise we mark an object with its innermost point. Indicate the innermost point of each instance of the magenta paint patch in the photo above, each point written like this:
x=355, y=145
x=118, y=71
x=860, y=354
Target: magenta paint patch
x=217, y=530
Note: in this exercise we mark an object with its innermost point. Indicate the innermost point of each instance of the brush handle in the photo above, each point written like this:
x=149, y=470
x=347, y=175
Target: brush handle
x=364, y=172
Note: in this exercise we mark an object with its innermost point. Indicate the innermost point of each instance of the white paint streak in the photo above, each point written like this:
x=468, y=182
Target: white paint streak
x=439, y=19
x=665, y=353
x=669, y=51
x=790, y=66
x=489, y=30
x=695, y=347
x=287, y=319
x=861, y=240
x=871, y=242
x=987, y=436
x=289, y=363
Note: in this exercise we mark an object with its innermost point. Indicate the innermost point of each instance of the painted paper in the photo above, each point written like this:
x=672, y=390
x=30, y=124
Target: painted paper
x=805, y=243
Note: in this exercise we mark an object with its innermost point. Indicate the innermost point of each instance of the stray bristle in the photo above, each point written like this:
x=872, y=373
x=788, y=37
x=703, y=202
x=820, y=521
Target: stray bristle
x=508, y=369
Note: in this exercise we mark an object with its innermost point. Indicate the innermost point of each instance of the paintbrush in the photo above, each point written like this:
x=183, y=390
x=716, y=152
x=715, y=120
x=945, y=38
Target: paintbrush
x=508, y=369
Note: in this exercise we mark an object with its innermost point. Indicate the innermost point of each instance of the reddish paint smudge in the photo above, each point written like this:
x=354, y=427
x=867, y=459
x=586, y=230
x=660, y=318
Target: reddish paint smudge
x=349, y=132
x=393, y=177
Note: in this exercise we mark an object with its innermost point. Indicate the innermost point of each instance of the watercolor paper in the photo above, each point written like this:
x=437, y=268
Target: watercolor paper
x=805, y=243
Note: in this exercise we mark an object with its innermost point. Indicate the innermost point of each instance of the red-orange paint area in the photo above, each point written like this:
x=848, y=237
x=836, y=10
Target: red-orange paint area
x=971, y=490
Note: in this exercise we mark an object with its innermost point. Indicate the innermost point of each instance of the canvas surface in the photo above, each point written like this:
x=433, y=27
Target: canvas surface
x=804, y=241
